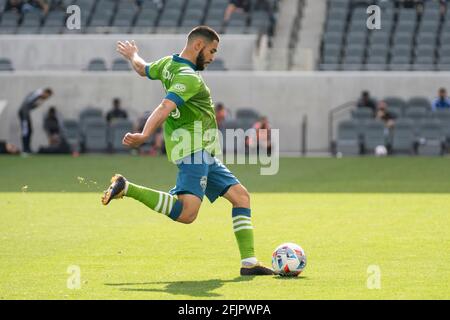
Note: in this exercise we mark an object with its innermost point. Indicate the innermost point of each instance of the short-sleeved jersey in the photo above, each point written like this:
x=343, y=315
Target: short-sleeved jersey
x=192, y=126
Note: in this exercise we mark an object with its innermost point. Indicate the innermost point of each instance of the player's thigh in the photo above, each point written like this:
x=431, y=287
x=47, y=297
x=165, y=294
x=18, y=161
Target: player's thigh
x=191, y=206
x=238, y=196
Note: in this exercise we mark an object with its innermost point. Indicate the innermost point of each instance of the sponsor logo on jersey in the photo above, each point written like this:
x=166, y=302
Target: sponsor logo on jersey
x=166, y=74
x=179, y=87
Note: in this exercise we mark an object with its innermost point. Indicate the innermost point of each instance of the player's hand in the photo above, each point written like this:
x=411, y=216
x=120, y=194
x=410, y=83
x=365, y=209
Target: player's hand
x=134, y=140
x=127, y=49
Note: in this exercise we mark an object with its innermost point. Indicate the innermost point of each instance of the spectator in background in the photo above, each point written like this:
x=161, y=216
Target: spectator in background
x=14, y=5
x=442, y=101
x=8, y=148
x=116, y=112
x=221, y=114
x=155, y=145
x=263, y=134
x=31, y=102
x=365, y=101
x=384, y=115
x=241, y=6
x=35, y=5
x=51, y=124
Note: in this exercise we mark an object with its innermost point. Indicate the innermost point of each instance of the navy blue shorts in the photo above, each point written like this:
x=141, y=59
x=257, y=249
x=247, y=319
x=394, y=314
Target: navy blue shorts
x=201, y=174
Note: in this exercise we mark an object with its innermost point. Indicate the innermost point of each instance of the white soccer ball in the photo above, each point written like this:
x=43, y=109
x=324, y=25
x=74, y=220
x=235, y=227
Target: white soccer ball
x=380, y=151
x=288, y=260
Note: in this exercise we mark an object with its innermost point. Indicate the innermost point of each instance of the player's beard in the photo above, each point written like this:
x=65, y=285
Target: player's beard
x=200, y=61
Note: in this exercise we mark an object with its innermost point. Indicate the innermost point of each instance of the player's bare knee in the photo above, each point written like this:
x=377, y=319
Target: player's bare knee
x=188, y=216
x=243, y=199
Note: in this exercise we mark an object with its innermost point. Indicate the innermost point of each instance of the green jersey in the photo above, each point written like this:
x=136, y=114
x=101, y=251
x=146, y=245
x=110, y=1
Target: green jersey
x=192, y=126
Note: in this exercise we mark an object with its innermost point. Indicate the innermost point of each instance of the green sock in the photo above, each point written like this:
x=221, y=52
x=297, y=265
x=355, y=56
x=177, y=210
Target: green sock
x=158, y=201
x=243, y=231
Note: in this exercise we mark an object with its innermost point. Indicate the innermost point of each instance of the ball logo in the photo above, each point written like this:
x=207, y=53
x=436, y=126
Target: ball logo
x=179, y=87
x=175, y=114
x=203, y=182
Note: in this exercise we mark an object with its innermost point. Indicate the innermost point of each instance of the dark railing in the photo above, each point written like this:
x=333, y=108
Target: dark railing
x=332, y=116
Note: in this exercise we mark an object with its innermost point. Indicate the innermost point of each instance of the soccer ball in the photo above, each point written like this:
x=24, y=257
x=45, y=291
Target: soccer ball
x=288, y=260
x=380, y=151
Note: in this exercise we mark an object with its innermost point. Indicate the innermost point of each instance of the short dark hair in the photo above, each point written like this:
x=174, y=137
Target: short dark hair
x=49, y=91
x=204, y=32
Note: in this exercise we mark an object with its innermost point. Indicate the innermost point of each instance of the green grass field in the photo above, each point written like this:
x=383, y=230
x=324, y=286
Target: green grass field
x=348, y=214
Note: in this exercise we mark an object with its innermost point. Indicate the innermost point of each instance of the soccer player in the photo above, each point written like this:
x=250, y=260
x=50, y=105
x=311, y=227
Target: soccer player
x=190, y=133
x=31, y=102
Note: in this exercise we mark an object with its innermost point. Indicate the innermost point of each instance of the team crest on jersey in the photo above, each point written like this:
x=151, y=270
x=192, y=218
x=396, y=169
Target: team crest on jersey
x=203, y=182
x=179, y=87
x=175, y=114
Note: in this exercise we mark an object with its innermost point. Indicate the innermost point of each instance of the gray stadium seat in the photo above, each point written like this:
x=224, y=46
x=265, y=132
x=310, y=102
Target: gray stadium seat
x=6, y=65
x=373, y=134
x=397, y=111
x=431, y=137
x=329, y=66
x=407, y=15
x=420, y=102
x=362, y=113
x=217, y=65
x=355, y=50
x=348, y=142
x=416, y=113
x=426, y=39
x=332, y=48
x=97, y=64
x=120, y=65
x=333, y=38
x=330, y=59
x=247, y=113
x=403, y=136
x=71, y=132
x=95, y=135
x=395, y=101
x=117, y=131
x=424, y=64
x=400, y=63
x=90, y=112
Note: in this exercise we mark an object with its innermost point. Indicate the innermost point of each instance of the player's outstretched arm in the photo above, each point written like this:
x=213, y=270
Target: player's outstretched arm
x=129, y=51
x=154, y=121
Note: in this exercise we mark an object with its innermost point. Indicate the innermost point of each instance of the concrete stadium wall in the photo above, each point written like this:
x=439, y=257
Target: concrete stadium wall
x=285, y=97
x=73, y=52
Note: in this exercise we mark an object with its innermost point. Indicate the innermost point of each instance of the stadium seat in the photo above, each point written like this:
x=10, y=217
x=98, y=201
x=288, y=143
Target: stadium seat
x=395, y=101
x=117, y=131
x=403, y=137
x=348, y=141
x=120, y=64
x=416, y=113
x=247, y=113
x=373, y=134
x=95, y=135
x=397, y=111
x=8, y=22
x=420, y=102
x=71, y=132
x=89, y=113
x=431, y=137
x=362, y=113
x=217, y=65
x=97, y=64
x=6, y=65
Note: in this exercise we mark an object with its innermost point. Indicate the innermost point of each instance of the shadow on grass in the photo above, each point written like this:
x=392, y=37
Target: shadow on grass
x=202, y=288
x=299, y=278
